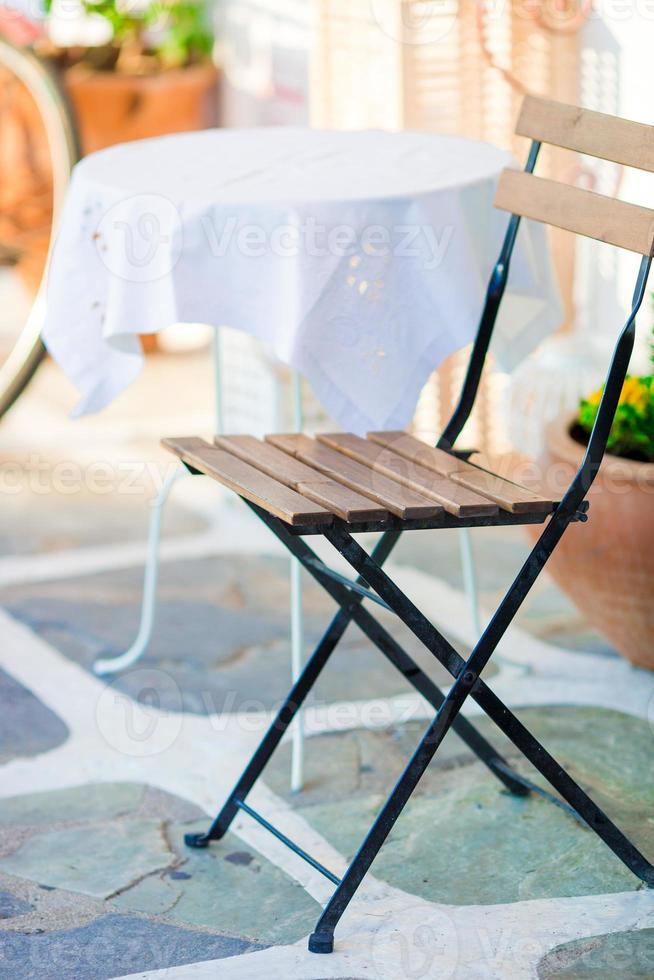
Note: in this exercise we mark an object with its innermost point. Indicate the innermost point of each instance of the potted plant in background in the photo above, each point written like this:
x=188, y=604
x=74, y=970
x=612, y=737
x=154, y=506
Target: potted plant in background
x=606, y=566
x=134, y=68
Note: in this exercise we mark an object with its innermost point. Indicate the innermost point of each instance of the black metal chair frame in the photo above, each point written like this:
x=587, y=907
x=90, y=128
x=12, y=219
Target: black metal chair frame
x=373, y=583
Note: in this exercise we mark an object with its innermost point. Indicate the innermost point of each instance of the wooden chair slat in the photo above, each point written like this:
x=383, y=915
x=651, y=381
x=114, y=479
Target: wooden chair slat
x=457, y=500
x=509, y=496
x=248, y=482
x=585, y=131
x=574, y=209
x=343, y=501
x=517, y=500
x=340, y=500
x=419, y=452
x=267, y=458
x=402, y=502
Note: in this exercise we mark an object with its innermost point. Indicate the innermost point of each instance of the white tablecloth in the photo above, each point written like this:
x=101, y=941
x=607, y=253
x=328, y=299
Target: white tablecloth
x=361, y=259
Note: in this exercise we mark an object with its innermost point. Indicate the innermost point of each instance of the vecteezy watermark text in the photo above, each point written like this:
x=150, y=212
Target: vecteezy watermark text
x=141, y=239
x=314, y=239
x=41, y=476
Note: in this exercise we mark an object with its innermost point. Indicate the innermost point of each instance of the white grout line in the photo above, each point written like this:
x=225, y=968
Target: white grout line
x=229, y=536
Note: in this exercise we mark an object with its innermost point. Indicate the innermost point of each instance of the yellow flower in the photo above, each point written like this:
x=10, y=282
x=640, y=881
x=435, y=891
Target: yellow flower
x=635, y=393
x=596, y=396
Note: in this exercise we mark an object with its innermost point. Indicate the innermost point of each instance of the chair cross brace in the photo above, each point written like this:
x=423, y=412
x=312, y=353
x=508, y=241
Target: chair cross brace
x=289, y=843
x=362, y=590
x=467, y=682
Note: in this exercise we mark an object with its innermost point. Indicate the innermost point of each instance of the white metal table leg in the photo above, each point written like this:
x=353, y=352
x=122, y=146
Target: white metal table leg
x=114, y=664
x=470, y=578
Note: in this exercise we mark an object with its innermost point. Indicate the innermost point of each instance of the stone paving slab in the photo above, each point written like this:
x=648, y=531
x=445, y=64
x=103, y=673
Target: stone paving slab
x=41, y=909
x=11, y=906
x=96, y=860
x=499, y=552
x=27, y=727
x=221, y=636
x=96, y=801
x=76, y=810
x=38, y=520
x=464, y=840
x=112, y=946
x=121, y=846
x=225, y=887
x=123, y=843
x=438, y=553
x=361, y=764
x=627, y=955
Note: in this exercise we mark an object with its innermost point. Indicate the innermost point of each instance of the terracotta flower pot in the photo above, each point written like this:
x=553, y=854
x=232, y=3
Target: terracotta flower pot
x=606, y=566
x=115, y=108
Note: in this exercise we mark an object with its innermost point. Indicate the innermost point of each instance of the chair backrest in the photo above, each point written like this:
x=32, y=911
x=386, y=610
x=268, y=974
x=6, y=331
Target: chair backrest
x=584, y=212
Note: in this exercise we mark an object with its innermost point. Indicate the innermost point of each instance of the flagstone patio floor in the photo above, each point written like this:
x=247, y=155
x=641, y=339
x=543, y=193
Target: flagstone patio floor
x=101, y=778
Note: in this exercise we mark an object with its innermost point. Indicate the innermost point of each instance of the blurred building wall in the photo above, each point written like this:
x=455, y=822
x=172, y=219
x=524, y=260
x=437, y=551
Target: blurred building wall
x=442, y=67
x=264, y=51
x=618, y=75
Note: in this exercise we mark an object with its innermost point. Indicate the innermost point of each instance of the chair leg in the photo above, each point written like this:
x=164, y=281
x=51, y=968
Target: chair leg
x=113, y=665
x=467, y=683
x=297, y=619
x=274, y=735
x=482, y=748
x=350, y=611
x=322, y=938
x=505, y=720
x=400, y=659
x=287, y=712
x=297, y=649
x=391, y=649
x=575, y=797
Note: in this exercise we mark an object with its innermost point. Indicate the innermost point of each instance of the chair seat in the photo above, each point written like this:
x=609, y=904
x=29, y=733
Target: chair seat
x=390, y=479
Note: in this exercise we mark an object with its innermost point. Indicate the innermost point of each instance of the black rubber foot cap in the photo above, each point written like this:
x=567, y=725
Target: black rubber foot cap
x=321, y=943
x=196, y=840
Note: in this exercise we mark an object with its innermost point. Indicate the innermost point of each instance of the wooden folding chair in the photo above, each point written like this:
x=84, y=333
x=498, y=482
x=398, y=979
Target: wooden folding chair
x=339, y=485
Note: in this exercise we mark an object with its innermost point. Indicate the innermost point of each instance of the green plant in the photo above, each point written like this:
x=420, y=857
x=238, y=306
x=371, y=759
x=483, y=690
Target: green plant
x=632, y=432
x=147, y=36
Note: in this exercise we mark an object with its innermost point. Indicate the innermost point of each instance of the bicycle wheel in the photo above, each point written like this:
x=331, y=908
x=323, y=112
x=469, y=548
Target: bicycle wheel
x=38, y=148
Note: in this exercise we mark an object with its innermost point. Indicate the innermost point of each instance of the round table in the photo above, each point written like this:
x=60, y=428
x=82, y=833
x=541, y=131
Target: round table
x=359, y=258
